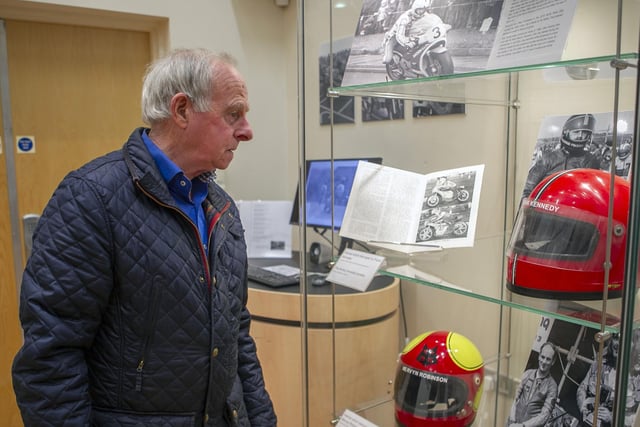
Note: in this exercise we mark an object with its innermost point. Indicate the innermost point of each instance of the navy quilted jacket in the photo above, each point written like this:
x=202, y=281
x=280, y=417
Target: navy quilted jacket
x=126, y=320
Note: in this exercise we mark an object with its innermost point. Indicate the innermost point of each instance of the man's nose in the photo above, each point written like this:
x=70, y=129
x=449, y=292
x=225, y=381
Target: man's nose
x=244, y=132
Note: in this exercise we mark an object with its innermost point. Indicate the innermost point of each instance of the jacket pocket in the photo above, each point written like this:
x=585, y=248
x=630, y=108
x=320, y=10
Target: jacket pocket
x=111, y=418
x=150, y=326
x=235, y=411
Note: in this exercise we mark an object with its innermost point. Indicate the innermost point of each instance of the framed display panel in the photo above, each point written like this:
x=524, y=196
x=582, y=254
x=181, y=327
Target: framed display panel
x=464, y=290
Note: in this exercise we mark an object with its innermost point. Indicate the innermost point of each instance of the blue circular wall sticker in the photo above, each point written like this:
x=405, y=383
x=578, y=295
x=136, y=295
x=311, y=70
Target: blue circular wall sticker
x=25, y=144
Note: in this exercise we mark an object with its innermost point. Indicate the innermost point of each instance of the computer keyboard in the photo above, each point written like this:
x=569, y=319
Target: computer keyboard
x=270, y=278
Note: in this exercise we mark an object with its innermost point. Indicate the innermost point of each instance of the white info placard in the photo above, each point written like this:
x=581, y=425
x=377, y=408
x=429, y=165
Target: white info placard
x=351, y=419
x=355, y=269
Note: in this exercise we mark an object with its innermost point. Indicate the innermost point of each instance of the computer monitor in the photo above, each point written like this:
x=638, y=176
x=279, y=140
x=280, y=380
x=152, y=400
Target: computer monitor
x=318, y=191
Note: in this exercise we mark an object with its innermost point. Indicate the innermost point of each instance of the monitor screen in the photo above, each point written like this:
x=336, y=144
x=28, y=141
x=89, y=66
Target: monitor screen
x=318, y=191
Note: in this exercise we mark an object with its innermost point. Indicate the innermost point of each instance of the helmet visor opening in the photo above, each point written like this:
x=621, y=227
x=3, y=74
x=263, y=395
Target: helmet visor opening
x=428, y=395
x=552, y=236
x=579, y=135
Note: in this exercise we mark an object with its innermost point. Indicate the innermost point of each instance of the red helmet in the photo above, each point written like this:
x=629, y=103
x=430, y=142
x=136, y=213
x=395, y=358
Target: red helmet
x=558, y=245
x=438, y=381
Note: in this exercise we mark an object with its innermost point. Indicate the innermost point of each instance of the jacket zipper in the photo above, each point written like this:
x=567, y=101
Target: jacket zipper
x=212, y=224
x=156, y=292
x=151, y=322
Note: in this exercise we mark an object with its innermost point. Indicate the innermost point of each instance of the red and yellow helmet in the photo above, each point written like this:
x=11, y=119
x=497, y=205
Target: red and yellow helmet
x=559, y=241
x=438, y=381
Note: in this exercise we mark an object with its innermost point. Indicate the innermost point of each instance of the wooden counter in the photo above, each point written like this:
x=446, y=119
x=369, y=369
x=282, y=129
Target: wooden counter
x=354, y=334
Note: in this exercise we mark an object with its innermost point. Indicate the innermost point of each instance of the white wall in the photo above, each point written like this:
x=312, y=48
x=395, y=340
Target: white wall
x=258, y=33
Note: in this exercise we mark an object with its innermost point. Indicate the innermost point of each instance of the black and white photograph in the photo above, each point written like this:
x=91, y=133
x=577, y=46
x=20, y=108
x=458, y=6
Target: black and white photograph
x=583, y=140
x=376, y=108
x=330, y=74
x=432, y=108
x=446, y=208
x=403, y=39
x=409, y=39
x=557, y=388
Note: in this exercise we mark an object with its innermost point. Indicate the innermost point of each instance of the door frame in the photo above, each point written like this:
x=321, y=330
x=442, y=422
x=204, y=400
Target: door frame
x=158, y=29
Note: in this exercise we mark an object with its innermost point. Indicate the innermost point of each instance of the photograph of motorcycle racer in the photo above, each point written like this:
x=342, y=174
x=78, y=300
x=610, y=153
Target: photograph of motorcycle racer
x=575, y=372
x=444, y=185
x=445, y=190
x=437, y=215
x=586, y=393
x=623, y=154
x=446, y=208
x=416, y=45
x=375, y=108
x=400, y=32
x=406, y=39
x=389, y=11
x=579, y=141
x=440, y=223
x=623, y=160
x=421, y=38
x=535, y=397
x=575, y=140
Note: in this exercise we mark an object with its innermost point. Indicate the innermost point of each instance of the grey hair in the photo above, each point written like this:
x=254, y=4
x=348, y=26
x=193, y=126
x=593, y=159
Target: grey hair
x=189, y=71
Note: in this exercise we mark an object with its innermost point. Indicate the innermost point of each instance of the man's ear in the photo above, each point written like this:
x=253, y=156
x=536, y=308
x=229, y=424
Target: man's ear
x=180, y=103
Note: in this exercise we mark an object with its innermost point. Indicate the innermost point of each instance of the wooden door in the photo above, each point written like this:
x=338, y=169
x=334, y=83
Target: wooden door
x=76, y=90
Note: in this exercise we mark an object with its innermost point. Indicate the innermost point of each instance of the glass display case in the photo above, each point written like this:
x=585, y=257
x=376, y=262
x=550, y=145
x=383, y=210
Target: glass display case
x=479, y=103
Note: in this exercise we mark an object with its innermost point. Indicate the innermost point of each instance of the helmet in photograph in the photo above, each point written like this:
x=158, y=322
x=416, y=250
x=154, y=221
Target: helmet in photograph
x=577, y=132
x=559, y=241
x=422, y=5
x=624, y=149
x=438, y=381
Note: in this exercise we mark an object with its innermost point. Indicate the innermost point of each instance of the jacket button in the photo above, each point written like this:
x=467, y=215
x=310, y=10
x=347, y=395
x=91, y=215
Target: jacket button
x=234, y=413
x=215, y=281
x=201, y=279
x=206, y=418
x=215, y=352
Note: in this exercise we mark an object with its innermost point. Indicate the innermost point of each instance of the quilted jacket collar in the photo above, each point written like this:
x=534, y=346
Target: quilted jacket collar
x=144, y=171
x=143, y=168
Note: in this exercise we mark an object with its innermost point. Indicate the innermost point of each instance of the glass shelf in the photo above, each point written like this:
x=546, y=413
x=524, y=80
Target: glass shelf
x=436, y=268
x=459, y=87
x=585, y=313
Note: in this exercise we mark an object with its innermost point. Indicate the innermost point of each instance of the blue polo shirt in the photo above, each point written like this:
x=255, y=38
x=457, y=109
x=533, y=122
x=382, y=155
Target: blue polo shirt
x=188, y=194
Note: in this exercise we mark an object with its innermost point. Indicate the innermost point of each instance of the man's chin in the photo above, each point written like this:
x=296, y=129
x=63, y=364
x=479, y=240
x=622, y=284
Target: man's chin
x=222, y=165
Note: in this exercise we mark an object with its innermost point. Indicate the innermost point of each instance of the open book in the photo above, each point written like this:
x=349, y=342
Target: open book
x=411, y=212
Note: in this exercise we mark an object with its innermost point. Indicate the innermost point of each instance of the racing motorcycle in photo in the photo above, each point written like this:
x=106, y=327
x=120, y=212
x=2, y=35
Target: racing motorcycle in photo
x=445, y=226
x=429, y=56
x=447, y=194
